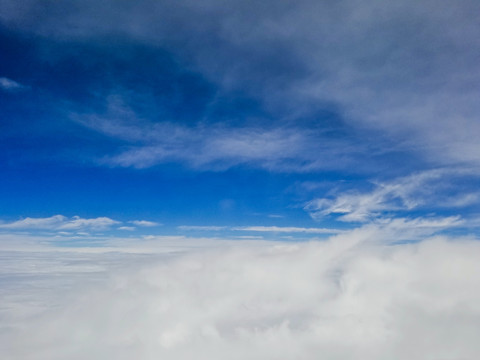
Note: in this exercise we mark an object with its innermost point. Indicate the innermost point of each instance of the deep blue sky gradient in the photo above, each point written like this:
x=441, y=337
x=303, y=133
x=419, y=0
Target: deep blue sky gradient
x=249, y=127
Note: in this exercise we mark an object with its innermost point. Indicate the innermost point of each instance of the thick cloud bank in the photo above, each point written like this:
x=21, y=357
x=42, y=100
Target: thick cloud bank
x=336, y=299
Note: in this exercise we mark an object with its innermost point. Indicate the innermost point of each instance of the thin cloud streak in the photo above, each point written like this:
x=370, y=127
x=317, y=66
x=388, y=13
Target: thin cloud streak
x=287, y=229
x=202, y=227
x=10, y=85
x=63, y=224
x=220, y=147
x=145, y=223
x=426, y=189
x=60, y=222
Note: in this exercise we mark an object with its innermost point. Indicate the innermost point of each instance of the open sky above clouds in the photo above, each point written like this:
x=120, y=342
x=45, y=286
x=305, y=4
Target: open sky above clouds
x=193, y=134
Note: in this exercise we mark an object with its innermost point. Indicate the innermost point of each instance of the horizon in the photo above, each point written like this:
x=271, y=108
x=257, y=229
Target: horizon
x=262, y=157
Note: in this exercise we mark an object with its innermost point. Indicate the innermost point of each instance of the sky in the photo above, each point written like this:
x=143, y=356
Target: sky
x=299, y=177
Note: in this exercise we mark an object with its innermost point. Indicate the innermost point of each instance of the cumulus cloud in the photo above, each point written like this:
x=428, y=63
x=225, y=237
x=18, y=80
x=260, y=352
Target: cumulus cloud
x=352, y=296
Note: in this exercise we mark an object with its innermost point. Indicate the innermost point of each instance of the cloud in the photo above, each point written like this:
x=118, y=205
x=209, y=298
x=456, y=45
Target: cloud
x=144, y=223
x=127, y=228
x=351, y=296
x=404, y=72
x=275, y=229
x=201, y=227
x=424, y=190
x=218, y=146
x=75, y=223
x=405, y=69
x=10, y=85
x=287, y=229
x=60, y=222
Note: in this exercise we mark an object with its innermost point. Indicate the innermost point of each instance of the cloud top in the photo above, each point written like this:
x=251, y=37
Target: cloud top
x=345, y=298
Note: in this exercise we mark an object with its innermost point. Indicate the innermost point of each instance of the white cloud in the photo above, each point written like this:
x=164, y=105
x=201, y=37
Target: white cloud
x=202, y=228
x=60, y=222
x=403, y=72
x=145, y=223
x=405, y=69
x=219, y=148
x=10, y=85
x=127, y=228
x=287, y=229
x=277, y=229
x=348, y=297
x=421, y=190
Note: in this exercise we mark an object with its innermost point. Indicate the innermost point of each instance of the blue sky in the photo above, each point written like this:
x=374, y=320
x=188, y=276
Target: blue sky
x=239, y=179
x=238, y=115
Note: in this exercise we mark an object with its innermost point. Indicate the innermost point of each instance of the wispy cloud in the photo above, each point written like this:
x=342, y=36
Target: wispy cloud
x=419, y=93
x=429, y=189
x=287, y=229
x=10, y=85
x=272, y=229
x=60, y=222
x=145, y=223
x=127, y=228
x=63, y=224
x=201, y=228
x=219, y=147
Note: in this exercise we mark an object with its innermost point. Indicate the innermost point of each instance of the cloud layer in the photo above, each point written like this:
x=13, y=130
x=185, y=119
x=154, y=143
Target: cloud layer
x=349, y=297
